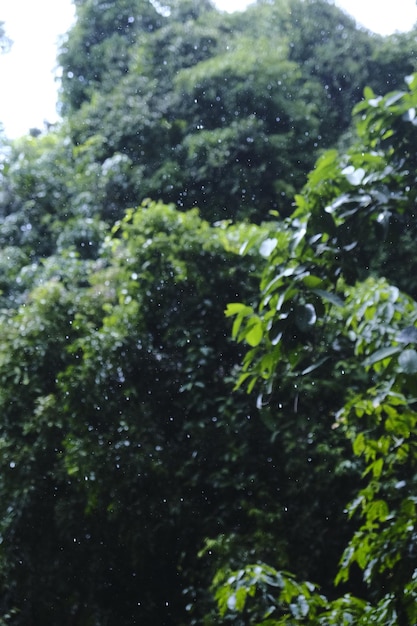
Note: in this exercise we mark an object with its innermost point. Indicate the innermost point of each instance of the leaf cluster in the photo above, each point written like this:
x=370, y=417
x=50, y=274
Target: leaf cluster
x=338, y=294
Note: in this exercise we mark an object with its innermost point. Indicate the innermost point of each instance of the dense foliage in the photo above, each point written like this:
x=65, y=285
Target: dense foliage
x=113, y=396
x=339, y=303
x=135, y=485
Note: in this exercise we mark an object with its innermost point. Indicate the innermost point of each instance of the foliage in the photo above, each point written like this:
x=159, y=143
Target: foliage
x=229, y=116
x=129, y=472
x=36, y=182
x=393, y=59
x=278, y=591
x=323, y=299
x=126, y=444
x=224, y=112
x=96, y=51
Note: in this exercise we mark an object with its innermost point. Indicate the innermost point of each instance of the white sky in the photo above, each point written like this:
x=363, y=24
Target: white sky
x=28, y=88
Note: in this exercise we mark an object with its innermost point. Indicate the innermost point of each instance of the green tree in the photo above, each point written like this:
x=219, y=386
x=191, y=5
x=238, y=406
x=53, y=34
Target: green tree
x=119, y=434
x=243, y=120
x=36, y=188
x=125, y=450
x=96, y=52
x=392, y=59
x=240, y=104
x=327, y=300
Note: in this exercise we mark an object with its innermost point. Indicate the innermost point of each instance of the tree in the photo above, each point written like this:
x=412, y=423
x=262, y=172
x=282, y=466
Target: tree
x=125, y=451
x=362, y=201
x=234, y=105
x=392, y=60
x=36, y=191
x=96, y=52
x=120, y=435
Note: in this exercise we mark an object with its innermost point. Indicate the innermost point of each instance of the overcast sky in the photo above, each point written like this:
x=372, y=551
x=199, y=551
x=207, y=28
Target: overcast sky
x=27, y=72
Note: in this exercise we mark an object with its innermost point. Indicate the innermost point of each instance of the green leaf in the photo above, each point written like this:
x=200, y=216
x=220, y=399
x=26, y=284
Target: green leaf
x=233, y=308
x=359, y=444
x=329, y=297
x=268, y=246
x=408, y=361
x=312, y=282
x=380, y=355
x=377, y=511
x=354, y=176
x=254, y=334
x=377, y=468
x=408, y=335
x=325, y=168
x=393, y=98
x=368, y=93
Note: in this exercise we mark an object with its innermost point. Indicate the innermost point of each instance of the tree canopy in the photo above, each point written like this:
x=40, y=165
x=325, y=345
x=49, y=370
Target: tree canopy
x=339, y=304
x=208, y=324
